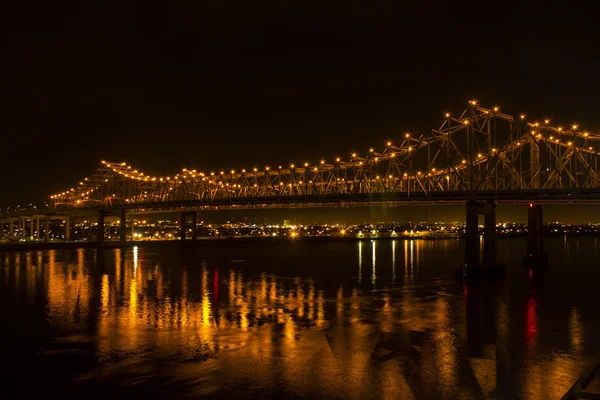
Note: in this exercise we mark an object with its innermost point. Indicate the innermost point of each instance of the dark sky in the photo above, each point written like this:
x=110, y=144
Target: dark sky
x=238, y=84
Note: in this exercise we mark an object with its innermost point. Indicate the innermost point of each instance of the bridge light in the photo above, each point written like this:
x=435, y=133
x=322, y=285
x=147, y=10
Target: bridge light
x=291, y=165
x=585, y=134
x=279, y=167
x=377, y=177
x=255, y=169
x=493, y=150
x=322, y=162
x=447, y=115
x=464, y=161
x=479, y=155
x=376, y=158
x=371, y=150
x=496, y=109
x=267, y=168
x=407, y=135
x=393, y=155
x=222, y=172
x=546, y=121
x=306, y=164
x=466, y=122
x=433, y=169
x=551, y=137
x=522, y=116
x=389, y=143
x=337, y=159
x=410, y=148
x=353, y=154
x=560, y=128
x=103, y=162
x=316, y=169
x=590, y=147
x=233, y=171
x=536, y=124
x=569, y=143
x=574, y=126
x=390, y=176
x=243, y=171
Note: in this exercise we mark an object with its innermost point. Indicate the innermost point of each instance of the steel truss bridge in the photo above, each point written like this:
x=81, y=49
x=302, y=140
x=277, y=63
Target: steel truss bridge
x=480, y=153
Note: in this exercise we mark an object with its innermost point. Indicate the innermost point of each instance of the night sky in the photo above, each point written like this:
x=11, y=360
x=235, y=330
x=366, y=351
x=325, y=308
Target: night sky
x=239, y=84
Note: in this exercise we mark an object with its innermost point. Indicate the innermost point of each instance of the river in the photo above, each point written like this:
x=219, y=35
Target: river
x=293, y=319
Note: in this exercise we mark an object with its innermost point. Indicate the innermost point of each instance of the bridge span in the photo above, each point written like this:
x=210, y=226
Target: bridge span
x=480, y=157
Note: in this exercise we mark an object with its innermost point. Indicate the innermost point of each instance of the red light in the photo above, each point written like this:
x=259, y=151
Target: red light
x=530, y=205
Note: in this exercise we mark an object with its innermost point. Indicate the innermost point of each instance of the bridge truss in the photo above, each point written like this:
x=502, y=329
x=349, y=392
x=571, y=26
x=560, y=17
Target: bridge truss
x=481, y=150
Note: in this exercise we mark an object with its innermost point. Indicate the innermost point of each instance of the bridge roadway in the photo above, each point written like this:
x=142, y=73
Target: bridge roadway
x=554, y=197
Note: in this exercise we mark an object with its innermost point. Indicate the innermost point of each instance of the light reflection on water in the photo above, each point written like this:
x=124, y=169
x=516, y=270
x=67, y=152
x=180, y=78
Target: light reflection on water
x=298, y=320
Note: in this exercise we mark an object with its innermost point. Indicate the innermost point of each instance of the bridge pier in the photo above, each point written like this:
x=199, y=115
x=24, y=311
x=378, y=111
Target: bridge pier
x=536, y=256
x=188, y=220
x=123, y=226
x=474, y=267
x=46, y=229
x=31, y=228
x=67, y=228
x=100, y=236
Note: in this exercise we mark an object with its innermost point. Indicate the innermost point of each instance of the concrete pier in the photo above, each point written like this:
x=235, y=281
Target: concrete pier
x=475, y=267
x=188, y=221
x=536, y=256
x=123, y=226
x=100, y=237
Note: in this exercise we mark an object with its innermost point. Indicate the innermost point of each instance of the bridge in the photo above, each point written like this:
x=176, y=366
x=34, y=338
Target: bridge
x=480, y=157
x=480, y=153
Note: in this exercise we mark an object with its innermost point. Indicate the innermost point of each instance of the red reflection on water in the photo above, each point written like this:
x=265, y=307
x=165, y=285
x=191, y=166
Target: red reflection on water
x=530, y=323
x=216, y=286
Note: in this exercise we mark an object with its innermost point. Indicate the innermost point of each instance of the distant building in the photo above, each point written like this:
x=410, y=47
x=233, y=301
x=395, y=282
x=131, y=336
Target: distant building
x=287, y=223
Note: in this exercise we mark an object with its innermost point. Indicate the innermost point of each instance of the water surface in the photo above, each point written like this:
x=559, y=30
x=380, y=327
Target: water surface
x=370, y=319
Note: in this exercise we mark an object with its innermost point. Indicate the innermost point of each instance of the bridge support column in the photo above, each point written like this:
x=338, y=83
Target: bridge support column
x=37, y=227
x=536, y=257
x=489, y=234
x=474, y=267
x=188, y=220
x=31, y=229
x=100, y=236
x=46, y=229
x=472, y=235
x=123, y=226
x=11, y=226
x=67, y=228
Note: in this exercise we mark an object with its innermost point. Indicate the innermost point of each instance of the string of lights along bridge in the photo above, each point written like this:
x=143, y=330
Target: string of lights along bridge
x=480, y=151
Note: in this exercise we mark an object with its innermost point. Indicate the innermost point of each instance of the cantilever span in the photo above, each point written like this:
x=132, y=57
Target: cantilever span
x=480, y=153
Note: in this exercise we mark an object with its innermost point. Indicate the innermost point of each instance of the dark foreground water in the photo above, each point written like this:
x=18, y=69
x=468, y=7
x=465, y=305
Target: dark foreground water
x=384, y=319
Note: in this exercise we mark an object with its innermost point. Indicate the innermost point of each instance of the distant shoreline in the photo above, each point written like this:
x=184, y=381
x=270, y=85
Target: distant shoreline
x=29, y=246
